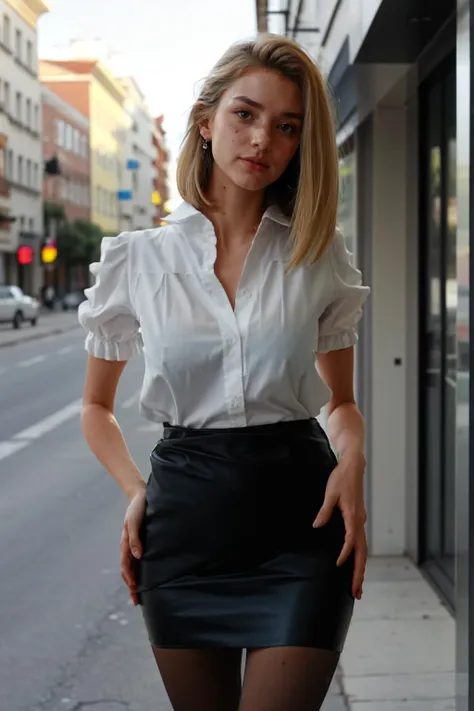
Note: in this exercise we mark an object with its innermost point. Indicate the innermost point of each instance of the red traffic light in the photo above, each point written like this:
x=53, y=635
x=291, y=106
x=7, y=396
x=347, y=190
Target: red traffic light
x=25, y=255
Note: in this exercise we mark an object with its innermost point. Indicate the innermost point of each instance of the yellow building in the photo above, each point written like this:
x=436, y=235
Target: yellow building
x=92, y=89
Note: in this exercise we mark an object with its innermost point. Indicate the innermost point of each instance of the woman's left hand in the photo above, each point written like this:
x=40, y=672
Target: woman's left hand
x=345, y=488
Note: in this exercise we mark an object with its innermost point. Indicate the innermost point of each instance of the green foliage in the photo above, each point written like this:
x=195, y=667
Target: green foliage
x=78, y=241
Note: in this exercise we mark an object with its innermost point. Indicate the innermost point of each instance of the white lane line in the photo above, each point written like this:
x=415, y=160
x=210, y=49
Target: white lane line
x=31, y=361
x=51, y=422
x=30, y=434
x=131, y=401
x=9, y=448
x=66, y=349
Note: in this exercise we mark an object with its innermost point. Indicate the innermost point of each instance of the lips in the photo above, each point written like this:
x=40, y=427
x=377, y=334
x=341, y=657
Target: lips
x=254, y=163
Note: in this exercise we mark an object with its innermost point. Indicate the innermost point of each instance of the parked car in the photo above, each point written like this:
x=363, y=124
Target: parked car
x=72, y=300
x=16, y=307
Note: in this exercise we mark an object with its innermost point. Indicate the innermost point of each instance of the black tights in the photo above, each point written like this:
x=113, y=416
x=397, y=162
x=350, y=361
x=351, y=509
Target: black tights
x=275, y=678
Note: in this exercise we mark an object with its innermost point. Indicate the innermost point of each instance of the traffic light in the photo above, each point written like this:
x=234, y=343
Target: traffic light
x=49, y=251
x=25, y=255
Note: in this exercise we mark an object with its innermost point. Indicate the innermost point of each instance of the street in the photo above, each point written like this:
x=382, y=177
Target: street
x=69, y=636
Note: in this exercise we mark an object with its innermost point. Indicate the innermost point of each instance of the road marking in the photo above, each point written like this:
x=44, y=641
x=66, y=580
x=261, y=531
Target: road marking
x=30, y=434
x=31, y=361
x=9, y=448
x=66, y=349
x=131, y=401
x=51, y=422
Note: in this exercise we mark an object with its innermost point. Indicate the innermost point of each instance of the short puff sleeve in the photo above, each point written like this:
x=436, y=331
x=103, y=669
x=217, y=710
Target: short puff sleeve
x=107, y=313
x=337, y=324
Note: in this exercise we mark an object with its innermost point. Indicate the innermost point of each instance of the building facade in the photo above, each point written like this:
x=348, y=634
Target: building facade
x=89, y=86
x=136, y=207
x=21, y=152
x=401, y=78
x=161, y=160
x=66, y=139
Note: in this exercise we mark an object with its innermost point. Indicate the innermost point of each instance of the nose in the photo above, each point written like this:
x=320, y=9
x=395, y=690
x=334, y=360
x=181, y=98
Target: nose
x=261, y=137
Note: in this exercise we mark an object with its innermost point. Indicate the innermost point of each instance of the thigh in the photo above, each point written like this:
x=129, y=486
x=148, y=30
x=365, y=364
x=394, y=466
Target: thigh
x=201, y=679
x=287, y=678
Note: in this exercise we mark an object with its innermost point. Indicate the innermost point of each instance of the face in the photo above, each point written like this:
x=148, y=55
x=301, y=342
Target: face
x=256, y=129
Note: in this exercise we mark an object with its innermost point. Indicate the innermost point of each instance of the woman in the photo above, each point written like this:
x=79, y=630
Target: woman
x=249, y=533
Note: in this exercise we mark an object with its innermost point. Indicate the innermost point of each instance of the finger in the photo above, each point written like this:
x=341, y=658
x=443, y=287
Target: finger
x=134, y=540
x=128, y=575
x=349, y=541
x=325, y=512
x=360, y=561
x=126, y=569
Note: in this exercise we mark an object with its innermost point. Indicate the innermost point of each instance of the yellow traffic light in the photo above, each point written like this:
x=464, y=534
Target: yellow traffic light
x=49, y=253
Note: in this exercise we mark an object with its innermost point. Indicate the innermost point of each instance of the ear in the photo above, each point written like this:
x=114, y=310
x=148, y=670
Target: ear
x=205, y=128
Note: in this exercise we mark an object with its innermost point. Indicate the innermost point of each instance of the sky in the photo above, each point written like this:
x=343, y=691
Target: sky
x=167, y=46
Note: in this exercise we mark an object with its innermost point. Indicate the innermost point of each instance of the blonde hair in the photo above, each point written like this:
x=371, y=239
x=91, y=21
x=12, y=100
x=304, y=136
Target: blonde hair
x=308, y=191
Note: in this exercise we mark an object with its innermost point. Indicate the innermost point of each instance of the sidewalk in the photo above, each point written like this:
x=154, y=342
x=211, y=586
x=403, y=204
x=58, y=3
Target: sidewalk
x=49, y=323
x=400, y=651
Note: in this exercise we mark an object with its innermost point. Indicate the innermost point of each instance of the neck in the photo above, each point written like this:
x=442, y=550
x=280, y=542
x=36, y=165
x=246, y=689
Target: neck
x=235, y=213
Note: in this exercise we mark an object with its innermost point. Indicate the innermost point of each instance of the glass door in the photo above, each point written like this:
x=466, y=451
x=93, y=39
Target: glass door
x=438, y=327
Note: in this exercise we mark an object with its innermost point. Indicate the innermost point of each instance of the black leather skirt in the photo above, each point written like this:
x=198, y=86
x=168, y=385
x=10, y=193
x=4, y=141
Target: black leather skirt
x=230, y=557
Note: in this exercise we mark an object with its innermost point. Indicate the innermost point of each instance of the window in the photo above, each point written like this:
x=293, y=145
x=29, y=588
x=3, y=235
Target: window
x=18, y=105
x=77, y=145
x=3, y=163
x=18, y=44
x=68, y=145
x=20, y=170
x=28, y=113
x=444, y=362
x=29, y=54
x=9, y=166
x=31, y=224
x=28, y=173
x=35, y=175
x=22, y=223
x=60, y=132
x=6, y=96
x=6, y=31
x=36, y=124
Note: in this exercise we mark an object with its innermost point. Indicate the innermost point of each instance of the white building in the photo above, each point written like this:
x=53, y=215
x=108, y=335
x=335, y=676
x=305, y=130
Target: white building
x=20, y=103
x=139, y=170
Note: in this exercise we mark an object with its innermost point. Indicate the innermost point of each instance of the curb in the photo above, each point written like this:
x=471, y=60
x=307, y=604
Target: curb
x=38, y=336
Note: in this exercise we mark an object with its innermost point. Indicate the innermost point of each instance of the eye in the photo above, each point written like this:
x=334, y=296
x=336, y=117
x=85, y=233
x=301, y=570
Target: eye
x=243, y=114
x=288, y=128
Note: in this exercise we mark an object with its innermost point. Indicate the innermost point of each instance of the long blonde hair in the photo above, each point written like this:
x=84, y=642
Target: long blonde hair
x=308, y=191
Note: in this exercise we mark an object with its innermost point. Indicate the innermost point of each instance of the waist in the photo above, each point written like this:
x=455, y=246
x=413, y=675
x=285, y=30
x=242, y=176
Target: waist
x=308, y=426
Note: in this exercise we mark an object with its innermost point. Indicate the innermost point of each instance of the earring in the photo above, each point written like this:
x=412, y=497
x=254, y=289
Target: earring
x=205, y=144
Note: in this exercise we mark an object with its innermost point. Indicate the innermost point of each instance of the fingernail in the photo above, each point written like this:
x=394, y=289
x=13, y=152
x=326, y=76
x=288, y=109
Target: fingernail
x=136, y=553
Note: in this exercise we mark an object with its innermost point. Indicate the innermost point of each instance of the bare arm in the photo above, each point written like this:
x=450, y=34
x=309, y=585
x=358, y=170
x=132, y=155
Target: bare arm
x=345, y=422
x=100, y=427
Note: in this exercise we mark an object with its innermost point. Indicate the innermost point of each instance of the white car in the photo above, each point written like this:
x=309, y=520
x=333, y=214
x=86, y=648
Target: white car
x=16, y=307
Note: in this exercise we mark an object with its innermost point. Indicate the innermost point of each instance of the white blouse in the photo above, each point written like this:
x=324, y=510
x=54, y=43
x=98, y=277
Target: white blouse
x=207, y=365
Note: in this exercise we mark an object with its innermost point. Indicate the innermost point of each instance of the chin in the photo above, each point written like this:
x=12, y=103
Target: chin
x=252, y=183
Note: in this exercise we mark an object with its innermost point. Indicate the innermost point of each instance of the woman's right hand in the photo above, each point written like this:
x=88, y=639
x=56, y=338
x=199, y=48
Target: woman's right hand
x=130, y=544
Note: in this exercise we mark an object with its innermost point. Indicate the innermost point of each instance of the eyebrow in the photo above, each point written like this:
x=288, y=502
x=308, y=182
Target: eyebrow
x=256, y=105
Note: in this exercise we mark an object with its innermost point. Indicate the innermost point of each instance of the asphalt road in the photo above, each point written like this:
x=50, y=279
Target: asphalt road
x=69, y=637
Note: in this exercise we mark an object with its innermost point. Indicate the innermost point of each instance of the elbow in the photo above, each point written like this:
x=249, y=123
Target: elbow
x=337, y=402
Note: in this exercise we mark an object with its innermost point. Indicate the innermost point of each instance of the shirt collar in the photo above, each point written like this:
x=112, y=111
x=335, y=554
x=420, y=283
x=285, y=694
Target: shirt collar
x=185, y=211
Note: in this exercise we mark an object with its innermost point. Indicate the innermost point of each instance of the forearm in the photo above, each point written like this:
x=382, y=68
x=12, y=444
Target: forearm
x=346, y=430
x=104, y=437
